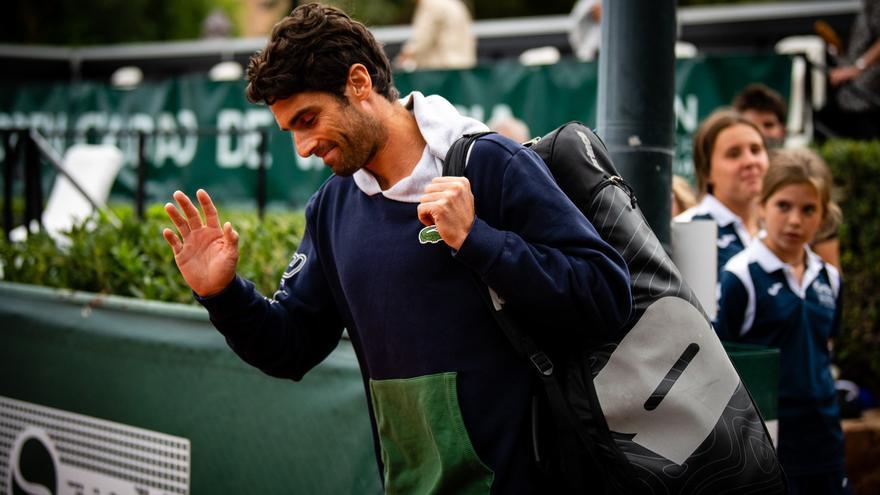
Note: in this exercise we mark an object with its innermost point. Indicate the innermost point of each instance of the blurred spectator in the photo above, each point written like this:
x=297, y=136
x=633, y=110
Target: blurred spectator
x=730, y=159
x=585, y=35
x=510, y=126
x=858, y=96
x=441, y=37
x=682, y=196
x=766, y=109
x=217, y=25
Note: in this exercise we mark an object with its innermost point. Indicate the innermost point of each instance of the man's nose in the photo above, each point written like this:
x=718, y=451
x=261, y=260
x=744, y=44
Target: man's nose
x=304, y=146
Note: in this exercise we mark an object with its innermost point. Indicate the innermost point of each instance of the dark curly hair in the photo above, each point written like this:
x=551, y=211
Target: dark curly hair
x=312, y=49
x=760, y=97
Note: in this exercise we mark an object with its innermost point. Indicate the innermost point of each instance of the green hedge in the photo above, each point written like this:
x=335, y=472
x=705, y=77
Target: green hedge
x=856, y=169
x=135, y=260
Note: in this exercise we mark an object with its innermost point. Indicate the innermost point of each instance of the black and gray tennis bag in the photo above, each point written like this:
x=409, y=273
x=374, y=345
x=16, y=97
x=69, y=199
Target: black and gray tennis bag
x=661, y=410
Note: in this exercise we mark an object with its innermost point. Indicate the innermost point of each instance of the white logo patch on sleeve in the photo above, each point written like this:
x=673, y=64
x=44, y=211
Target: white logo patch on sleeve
x=297, y=263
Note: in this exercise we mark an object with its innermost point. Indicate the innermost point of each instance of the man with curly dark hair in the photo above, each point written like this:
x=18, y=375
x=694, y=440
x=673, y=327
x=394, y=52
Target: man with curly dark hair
x=312, y=50
x=390, y=252
x=766, y=108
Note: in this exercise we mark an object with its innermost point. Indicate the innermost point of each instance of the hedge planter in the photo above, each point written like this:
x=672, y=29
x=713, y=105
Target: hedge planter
x=115, y=394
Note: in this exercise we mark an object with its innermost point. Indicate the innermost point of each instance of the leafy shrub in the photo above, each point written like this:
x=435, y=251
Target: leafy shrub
x=856, y=169
x=134, y=260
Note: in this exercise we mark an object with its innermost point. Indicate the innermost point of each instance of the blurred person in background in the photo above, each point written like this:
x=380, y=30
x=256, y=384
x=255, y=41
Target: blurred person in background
x=400, y=257
x=858, y=81
x=766, y=109
x=730, y=159
x=586, y=35
x=510, y=126
x=441, y=37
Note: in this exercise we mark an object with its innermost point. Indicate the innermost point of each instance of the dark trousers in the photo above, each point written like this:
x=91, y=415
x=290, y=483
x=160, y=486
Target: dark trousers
x=828, y=483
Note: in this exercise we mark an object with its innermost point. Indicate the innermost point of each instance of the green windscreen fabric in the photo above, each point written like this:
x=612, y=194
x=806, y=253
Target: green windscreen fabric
x=758, y=367
x=163, y=368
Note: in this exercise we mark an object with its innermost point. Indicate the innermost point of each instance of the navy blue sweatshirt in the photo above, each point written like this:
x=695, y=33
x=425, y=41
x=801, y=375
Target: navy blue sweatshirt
x=449, y=397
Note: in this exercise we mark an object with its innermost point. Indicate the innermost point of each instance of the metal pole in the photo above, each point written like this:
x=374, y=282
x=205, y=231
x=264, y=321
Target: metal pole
x=261, y=174
x=33, y=187
x=635, y=103
x=10, y=159
x=141, y=176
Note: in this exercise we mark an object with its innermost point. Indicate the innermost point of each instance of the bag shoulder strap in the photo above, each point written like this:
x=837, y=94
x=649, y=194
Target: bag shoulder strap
x=456, y=158
x=569, y=431
x=454, y=166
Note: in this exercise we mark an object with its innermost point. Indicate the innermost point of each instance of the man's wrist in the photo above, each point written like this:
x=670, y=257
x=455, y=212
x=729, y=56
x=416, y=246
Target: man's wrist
x=860, y=63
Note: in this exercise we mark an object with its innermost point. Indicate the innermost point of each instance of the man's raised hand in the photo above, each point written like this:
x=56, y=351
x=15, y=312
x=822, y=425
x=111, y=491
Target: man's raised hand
x=207, y=254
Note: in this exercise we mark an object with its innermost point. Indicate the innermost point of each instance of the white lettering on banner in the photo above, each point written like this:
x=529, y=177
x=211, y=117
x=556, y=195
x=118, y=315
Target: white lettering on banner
x=5, y=123
x=167, y=141
x=668, y=381
x=20, y=120
x=233, y=151
x=138, y=122
x=687, y=114
x=121, y=131
x=172, y=144
x=227, y=156
x=257, y=118
x=169, y=144
x=187, y=120
x=88, y=121
x=51, y=125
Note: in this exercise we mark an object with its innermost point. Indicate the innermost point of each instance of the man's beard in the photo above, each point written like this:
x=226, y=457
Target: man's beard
x=359, y=142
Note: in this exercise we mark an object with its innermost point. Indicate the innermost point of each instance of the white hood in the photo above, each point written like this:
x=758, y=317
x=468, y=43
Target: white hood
x=440, y=125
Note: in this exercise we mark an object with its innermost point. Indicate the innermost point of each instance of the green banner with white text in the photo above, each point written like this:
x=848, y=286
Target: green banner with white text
x=201, y=133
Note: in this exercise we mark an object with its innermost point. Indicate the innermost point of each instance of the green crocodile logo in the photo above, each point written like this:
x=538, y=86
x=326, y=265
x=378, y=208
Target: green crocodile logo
x=429, y=235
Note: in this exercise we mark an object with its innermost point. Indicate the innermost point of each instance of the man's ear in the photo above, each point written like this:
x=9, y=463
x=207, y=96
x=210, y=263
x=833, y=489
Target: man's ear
x=359, y=84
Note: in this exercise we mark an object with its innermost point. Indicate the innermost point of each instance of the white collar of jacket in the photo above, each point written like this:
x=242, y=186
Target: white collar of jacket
x=769, y=262
x=440, y=125
x=722, y=215
x=719, y=212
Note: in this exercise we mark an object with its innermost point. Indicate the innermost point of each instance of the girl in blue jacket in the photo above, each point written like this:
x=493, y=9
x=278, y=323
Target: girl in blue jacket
x=778, y=293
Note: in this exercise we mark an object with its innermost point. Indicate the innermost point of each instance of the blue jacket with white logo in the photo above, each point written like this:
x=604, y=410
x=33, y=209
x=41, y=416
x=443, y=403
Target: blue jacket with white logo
x=761, y=303
x=449, y=397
